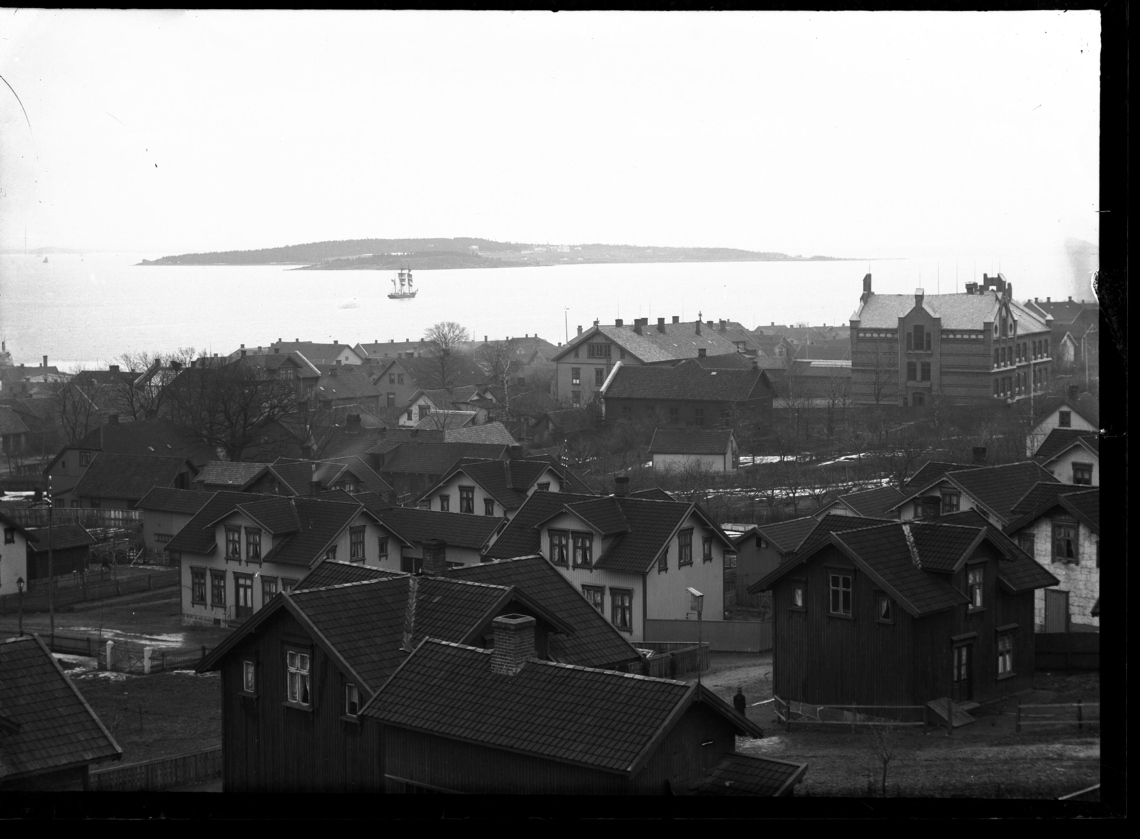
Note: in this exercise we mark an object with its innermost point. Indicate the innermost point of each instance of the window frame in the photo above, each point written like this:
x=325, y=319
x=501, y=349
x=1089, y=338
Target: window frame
x=488, y=506
x=882, y=599
x=1075, y=543
x=356, y=537
x=600, y=592
x=599, y=376
x=663, y=561
x=976, y=586
x=950, y=501
x=351, y=694
x=599, y=349
x=1086, y=473
x=253, y=547
x=1064, y=419
x=559, y=550
x=9, y=535
x=621, y=609
x=685, y=547
x=467, y=500
x=1027, y=541
x=444, y=502
x=1006, y=639
x=233, y=541
x=217, y=586
x=576, y=376
x=799, y=587
x=248, y=678
x=382, y=547
x=302, y=698
x=268, y=583
x=585, y=541
x=198, y=575
x=835, y=586
x=706, y=549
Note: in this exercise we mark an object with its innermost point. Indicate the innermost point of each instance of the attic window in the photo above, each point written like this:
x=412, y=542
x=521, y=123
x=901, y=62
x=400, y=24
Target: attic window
x=1065, y=419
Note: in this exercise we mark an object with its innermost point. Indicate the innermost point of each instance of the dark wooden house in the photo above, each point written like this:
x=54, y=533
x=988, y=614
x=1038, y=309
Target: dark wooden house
x=457, y=718
x=70, y=548
x=904, y=613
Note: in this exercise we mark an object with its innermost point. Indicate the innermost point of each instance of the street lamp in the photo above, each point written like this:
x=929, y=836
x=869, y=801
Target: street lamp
x=20, y=597
x=696, y=604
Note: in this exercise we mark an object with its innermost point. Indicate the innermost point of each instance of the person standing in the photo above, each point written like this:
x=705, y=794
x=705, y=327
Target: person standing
x=739, y=702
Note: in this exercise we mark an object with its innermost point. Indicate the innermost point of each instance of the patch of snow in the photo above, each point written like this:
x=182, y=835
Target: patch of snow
x=174, y=640
x=113, y=675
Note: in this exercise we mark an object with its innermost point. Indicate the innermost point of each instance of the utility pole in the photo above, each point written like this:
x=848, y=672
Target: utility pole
x=51, y=564
x=566, y=322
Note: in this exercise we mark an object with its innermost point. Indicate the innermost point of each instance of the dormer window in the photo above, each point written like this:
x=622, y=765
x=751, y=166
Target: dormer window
x=233, y=542
x=253, y=544
x=1065, y=419
x=583, y=549
x=975, y=586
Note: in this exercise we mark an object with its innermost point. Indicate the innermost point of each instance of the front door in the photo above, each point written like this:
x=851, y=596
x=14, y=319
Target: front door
x=243, y=599
x=963, y=689
x=1056, y=610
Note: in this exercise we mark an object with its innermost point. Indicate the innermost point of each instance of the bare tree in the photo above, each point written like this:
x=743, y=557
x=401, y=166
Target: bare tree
x=143, y=394
x=76, y=406
x=445, y=337
x=884, y=742
x=837, y=399
x=900, y=455
x=500, y=363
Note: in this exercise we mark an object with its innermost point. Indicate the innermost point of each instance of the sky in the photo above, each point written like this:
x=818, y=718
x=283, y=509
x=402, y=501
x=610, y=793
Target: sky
x=847, y=134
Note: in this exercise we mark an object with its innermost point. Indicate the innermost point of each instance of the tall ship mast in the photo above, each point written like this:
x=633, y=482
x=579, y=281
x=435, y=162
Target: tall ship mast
x=405, y=291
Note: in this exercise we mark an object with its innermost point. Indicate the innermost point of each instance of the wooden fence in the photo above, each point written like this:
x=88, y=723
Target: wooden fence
x=1067, y=650
x=894, y=716
x=1076, y=713
x=86, y=587
x=721, y=636
x=670, y=661
x=160, y=774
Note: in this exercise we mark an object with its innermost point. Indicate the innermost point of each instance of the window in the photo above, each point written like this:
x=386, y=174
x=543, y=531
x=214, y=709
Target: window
x=1065, y=546
x=699, y=415
x=927, y=508
x=919, y=400
x=95, y=503
x=1065, y=419
x=1025, y=541
x=543, y=487
x=85, y=458
x=729, y=560
x=399, y=378
x=218, y=588
x=391, y=378
x=920, y=337
x=583, y=549
x=597, y=350
x=248, y=678
x=391, y=400
x=621, y=609
x=253, y=544
x=424, y=410
x=467, y=499
x=798, y=595
x=233, y=542
x=840, y=585
x=884, y=613
x=559, y=547
x=488, y=506
x=575, y=375
x=198, y=585
x=445, y=503
x=951, y=501
x=1005, y=654
x=287, y=373
x=268, y=589
x=382, y=547
x=1082, y=474
x=409, y=414
x=575, y=399
x=924, y=368
x=706, y=551
x=599, y=376
x=356, y=543
x=911, y=371
x=975, y=585
x=596, y=595
x=675, y=416
x=685, y=547
x=663, y=561
x=9, y=535
x=331, y=552
x=996, y=387
x=287, y=584
x=351, y=701
x=297, y=679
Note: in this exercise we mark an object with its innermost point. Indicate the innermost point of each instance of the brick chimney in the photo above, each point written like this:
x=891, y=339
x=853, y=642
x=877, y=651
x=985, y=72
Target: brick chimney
x=723, y=324
x=435, y=557
x=514, y=643
x=660, y=324
x=702, y=352
x=579, y=329
x=676, y=319
x=621, y=486
x=112, y=419
x=979, y=455
x=698, y=327
x=919, y=294
x=45, y=361
x=866, y=289
x=352, y=422
x=619, y=322
x=114, y=368
x=1072, y=393
x=637, y=325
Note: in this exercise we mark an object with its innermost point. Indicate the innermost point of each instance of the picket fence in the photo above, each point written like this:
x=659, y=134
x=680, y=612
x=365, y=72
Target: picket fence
x=160, y=774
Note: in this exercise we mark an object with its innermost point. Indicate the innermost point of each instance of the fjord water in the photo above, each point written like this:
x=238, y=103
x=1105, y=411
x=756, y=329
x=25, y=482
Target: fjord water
x=89, y=309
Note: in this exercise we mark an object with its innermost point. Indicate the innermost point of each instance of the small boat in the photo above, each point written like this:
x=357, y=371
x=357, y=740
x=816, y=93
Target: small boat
x=405, y=290
x=45, y=259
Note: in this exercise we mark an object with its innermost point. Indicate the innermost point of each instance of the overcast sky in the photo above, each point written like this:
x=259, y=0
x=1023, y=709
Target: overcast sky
x=856, y=134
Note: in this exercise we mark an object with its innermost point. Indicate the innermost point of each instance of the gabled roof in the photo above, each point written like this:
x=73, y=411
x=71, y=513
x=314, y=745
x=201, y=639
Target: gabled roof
x=657, y=343
x=1061, y=440
x=1080, y=502
x=160, y=438
x=787, y=536
x=956, y=311
x=521, y=536
x=595, y=641
x=345, y=381
x=197, y=535
x=1086, y=406
x=934, y=469
x=738, y=774
x=604, y=515
x=45, y=723
x=237, y=475
x=128, y=476
x=652, y=525
x=1019, y=571
x=652, y=494
x=870, y=502
x=10, y=422
x=1041, y=495
x=494, y=433
x=425, y=370
x=267, y=359
x=994, y=488
x=444, y=420
x=275, y=515
x=507, y=481
x=296, y=475
x=320, y=355
x=690, y=380
x=321, y=523
x=601, y=719
x=459, y=530
x=433, y=458
x=58, y=537
x=335, y=572
x=690, y=440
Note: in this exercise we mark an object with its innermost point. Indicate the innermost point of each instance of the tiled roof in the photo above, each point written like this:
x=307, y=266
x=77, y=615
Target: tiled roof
x=507, y=481
x=1086, y=405
x=595, y=641
x=738, y=774
x=690, y=380
x=872, y=502
x=277, y=515
x=1088, y=504
x=443, y=399
x=1042, y=495
x=445, y=420
x=1064, y=311
x=521, y=537
x=425, y=370
x=1081, y=502
x=933, y=469
x=164, y=499
x=317, y=353
x=832, y=523
x=1060, y=440
x=334, y=572
x=157, y=437
x=220, y=474
x=494, y=433
x=45, y=723
x=392, y=437
x=436, y=458
x=957, y=311
x=671, y=340
x=10, y=422
x=597, y=718
x=603, y=514
x=267, y=359
x=1018, y=571
x=787, y=536
x=197, y=536
x=296, y=475
x=940, y=547
x=652, y=494
x=651, y=524
x=320, y=523
x=690, y=441
x=460, y=530
x=999, y=487
x=62, y=536
x=126, y=476
x=345, y=381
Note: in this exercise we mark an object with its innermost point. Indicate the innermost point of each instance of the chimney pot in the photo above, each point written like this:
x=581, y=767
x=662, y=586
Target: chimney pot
x=335, y=341
x=579, y=329
x=676, y=319
x=114, y=368
x=112, y=419
x=723, y=324
x=1072, y=393
x=619, y=322
x=45, y=361
x=514, y=643
x=621, y=486
x=435, y=557
x=918, y=295
x=660, y=324
x=1070, y=298
x=1048, y=299
x=979, y=455
x=702, y=352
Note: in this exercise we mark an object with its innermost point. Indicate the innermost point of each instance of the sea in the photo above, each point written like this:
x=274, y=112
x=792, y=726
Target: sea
x=84, y=311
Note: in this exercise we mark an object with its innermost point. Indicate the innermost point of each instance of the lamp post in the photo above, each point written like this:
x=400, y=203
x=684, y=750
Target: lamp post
x=20, y=600
x=696, y=603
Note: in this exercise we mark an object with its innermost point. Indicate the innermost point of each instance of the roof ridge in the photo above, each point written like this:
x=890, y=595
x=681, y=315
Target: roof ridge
x=611, y=672
x=407, y=644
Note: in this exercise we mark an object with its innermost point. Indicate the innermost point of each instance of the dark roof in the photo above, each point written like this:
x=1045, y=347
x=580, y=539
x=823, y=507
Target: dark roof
x=45, y=723
x=157, y=437
x=595, y=642
x=690, y=440
x=297, y=474
x=602, y=514
x=507, y=481
x=832, y=523
x=1060, y=440
x=445, y=421
x=425, y=370
x=345, y=381
x=334, y=572
x=493, y=433
x=460, y=530
x=237, y=475
x=1087, y=503
x=1041, y=496
x=995, y=488
x=738, y=774
x=654, y=343
x=1019, y=571
x=652, y=494
x=690, y=381
x=62, y=536
x=521, y=537
x=596, y=718
x=127, y=476
x=169, y=500
x=1086, y=405
x=320, y=523
x=871, y=502
x=318, y=354
x=933, y=469
x=651, y=526
x=1081, y=502
x=787, y=536
x=431, y=458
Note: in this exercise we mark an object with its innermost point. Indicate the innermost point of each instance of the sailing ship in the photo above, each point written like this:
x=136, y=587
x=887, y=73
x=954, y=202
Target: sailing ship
x=405, y=290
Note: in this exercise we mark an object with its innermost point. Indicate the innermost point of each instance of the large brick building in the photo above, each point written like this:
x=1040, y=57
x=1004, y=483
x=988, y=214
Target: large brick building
x=966, y=348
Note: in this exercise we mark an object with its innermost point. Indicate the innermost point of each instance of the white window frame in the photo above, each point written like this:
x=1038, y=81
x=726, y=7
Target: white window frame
x=298, y=678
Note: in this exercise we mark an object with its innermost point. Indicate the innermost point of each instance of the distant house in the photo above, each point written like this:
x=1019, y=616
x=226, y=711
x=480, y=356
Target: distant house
x=507, y=723
x=712, y=450
x=1071, y=456
x=345, y=385
x=411, y=466
x=1059, y=526
x=119, y=481
x=871, y=503
x=49, y=736
x=556, y=428
x=424, y=403
x=992, y=490
x=320, y=354
x=446, y=420
x=905, y=613
x=458, y=540
x=14, y=432
x=496, y=487
x=494, y=433
x=13, y=554
x=70, y=548
x=165, y=511
x=1076, y=412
